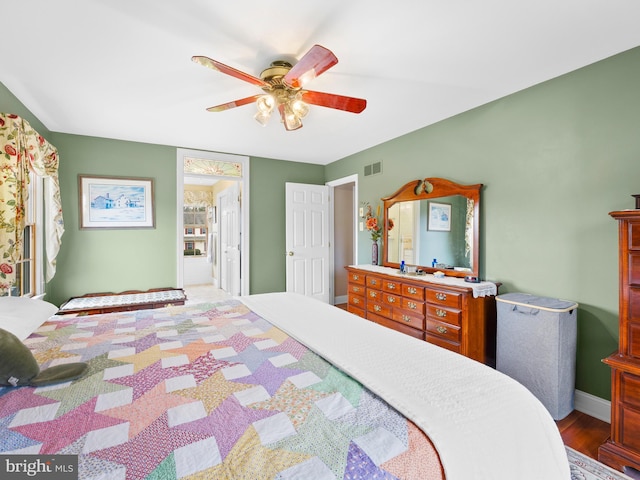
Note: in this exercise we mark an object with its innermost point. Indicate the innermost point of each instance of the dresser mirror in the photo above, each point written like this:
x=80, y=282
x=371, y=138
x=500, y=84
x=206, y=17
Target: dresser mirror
x=430, y=220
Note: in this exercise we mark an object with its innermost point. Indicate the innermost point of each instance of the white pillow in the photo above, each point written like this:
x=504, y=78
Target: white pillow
x=22, y=315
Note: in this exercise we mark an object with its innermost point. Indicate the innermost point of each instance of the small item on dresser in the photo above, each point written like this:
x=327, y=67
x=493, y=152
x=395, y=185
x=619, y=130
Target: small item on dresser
x=434, y=263
x=438, y=274
x=471, y=279
x=402, y=270
x=637, y=197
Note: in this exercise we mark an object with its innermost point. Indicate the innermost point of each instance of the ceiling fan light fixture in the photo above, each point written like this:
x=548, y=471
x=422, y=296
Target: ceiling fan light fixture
x=266, y=104
x=262, y=118
x=300, y=108
x=282, y=85
x=289, y=118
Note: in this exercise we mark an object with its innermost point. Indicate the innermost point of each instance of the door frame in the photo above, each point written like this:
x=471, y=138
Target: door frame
x=244, y=209
x=332, y=268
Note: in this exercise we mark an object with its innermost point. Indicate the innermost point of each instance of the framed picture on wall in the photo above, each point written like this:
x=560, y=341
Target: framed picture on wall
x=439, y=217
x=115, y=202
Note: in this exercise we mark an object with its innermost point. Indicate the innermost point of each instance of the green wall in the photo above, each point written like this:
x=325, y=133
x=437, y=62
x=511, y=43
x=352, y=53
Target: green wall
x=555, y=159
x=114, y=260
x=267, y=199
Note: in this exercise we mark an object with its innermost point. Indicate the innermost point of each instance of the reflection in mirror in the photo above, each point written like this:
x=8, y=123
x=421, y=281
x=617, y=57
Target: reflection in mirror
x=433, y=224
x=425, y=232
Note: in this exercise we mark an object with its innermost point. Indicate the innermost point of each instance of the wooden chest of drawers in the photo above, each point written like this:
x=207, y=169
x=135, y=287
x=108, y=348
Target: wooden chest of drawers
x=623, y=448
x=448, y=316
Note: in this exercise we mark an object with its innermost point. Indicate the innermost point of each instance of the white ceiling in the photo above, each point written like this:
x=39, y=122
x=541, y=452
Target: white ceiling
x=122, y=68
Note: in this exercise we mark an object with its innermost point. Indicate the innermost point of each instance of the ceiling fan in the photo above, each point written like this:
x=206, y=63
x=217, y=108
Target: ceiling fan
x=283, y=84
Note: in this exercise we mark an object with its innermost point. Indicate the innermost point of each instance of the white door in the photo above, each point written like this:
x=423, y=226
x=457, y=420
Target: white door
x=229, y=238
x=307, y=239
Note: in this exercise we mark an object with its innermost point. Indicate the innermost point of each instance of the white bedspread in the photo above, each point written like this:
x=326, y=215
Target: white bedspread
x=484, y=425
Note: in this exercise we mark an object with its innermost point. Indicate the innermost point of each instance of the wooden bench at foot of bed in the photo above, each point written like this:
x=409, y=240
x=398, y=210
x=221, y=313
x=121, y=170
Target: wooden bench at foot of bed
x=94, y=303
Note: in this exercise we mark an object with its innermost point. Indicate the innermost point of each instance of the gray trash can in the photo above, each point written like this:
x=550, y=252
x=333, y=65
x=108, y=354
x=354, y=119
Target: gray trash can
x=536, y=345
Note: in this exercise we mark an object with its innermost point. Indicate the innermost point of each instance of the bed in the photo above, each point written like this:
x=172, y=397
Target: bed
x=272, y=386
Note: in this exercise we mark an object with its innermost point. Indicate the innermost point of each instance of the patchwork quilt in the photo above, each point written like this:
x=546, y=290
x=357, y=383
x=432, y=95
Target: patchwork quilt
x=210, y=391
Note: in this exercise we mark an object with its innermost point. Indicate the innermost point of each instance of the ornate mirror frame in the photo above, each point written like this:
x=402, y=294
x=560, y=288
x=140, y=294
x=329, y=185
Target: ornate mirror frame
x=434, y=188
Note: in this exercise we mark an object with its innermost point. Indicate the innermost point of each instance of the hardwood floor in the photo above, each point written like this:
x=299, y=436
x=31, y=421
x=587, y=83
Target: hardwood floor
x=583, y=433
x=578, y=430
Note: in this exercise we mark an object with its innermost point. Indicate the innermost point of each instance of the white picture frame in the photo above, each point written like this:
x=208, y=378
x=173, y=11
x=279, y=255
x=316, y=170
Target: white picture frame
x=115, y=202
x=439, y=217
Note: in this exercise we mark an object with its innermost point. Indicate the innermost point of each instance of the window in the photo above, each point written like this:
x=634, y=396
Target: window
x=188, y=231
x=25, y=267
x=29, y=266
x=189, y=245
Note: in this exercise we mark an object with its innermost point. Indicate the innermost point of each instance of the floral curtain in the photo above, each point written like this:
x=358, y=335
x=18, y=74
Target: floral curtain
x=198, y=198
x=23, y=149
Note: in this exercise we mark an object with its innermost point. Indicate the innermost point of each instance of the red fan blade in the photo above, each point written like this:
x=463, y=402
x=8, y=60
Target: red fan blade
x=316, y=61
x=331, y=100
x=221, y=67
x=234, y=104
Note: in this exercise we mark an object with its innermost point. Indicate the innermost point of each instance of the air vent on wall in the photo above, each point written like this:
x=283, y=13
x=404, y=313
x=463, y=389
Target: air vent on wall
x=373, y=169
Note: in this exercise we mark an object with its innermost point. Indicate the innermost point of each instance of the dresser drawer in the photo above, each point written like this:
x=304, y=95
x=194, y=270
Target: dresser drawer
x=373, y=294
x=634, y=269
x=446, y=315
x=357, y=289
x=444, y=297
x=443, y=330
x=407, y=318
x=630, y=389
x=357, y=301
x=374, y=282
x=634, y=236
x=630, y=428
x=633, y=322
x=392, y=286
x=439, y=341
x=358, y=278
x=413, y=306
x=406, y=329
x=356, y=311
x=411, y=291
x=392, y=299
x=379, y=308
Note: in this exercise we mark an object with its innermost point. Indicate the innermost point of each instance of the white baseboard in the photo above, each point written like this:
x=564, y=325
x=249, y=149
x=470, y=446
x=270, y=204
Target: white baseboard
x=594, y=406
x=340, y=299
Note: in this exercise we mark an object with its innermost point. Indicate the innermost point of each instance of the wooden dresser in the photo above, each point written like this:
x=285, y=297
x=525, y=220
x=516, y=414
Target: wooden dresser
x=623, y=448
x=443, y=313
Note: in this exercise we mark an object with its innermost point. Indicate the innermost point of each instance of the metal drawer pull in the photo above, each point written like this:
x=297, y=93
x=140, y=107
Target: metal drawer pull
x=406, y=318
x=356, y=300
x=441, y=313
x=374, y=281
x=356, y=277
x=356, y=289
x=412, y=290
x=377, y=308
x=441, y=329
x=441, y=296
x=373, y=294
x=391, y=299
x=412, y=305
x=391, y=286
